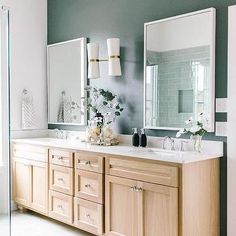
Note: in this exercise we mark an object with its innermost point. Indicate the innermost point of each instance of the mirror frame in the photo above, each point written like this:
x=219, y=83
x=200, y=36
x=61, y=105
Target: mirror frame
x=84, y=81
x=212, y=66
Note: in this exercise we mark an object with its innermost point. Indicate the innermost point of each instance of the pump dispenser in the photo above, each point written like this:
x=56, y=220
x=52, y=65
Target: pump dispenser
x=135, y=138
x=143, y=138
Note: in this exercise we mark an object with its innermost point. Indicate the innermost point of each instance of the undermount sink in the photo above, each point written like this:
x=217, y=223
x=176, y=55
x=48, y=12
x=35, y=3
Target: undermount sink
x=46, y=140
x=155, y=151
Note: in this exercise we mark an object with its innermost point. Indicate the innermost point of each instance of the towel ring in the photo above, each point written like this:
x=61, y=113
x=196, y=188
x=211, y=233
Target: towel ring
x=25, y=91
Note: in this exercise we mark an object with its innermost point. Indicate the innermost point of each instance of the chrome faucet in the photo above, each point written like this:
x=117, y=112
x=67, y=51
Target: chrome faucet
x=171, y=140
x=61, y=134
x=182, y=145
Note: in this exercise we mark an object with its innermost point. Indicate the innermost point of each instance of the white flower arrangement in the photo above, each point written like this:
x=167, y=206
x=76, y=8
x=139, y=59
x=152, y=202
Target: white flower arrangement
x=198, y=127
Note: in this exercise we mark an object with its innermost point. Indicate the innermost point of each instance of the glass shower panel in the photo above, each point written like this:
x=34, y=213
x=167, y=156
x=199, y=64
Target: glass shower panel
x=4, y=125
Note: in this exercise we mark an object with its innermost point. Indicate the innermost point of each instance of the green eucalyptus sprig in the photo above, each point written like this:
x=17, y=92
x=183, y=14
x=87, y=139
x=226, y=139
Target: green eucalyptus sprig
x=104, y=102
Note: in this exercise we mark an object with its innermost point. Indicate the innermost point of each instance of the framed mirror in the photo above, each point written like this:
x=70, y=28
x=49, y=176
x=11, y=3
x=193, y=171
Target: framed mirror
x=67, y=76
x=179, y=70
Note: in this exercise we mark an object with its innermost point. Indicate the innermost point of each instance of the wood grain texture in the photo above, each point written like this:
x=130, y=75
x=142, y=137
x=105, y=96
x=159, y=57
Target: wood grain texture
x=61, y=207
x=61, y=157
x=89, y=185
x=21, y=181
x=88, y=216
x=158, y=210
x=89, y=161
x=121, y=209
x=39, y=187
x=31, y=152
x=61, y=179
x=200, y=198
x=144, y=171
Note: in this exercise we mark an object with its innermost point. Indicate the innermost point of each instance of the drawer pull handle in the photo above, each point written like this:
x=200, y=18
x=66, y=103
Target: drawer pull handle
x=87, y=185
x=133, y=188
x=60, y=179
x=88, y=163
x=60, y=158
x=60, y=206
x=139, y=189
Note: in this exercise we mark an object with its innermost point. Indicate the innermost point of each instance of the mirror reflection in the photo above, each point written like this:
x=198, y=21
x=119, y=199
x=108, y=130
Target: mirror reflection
x=66, y=82
x=179, y=73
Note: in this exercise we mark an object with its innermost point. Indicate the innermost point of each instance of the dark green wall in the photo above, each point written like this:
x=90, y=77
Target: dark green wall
x=101, y=19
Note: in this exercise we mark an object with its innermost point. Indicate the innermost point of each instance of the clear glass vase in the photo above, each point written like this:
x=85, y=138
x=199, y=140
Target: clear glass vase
x=197, y=142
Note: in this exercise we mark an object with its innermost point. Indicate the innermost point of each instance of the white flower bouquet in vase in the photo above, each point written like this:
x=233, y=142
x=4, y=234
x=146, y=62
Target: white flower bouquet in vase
x=104, y=108
x=197, y=129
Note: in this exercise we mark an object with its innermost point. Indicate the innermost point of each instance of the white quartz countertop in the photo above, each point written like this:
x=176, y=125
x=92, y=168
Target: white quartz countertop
x=124, y=150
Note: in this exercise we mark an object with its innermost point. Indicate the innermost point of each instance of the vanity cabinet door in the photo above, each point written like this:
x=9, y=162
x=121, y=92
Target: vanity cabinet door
x=158, y=210
x=121, y=207
x=39, y=187
x=21, y=181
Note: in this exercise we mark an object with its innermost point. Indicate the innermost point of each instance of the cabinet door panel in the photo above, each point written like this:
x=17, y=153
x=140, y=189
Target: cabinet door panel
x=158, y=210
x=21, y=181
x=121, y=207
x=39, y=192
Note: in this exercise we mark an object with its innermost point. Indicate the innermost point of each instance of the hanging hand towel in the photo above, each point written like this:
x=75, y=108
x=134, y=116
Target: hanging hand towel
x=65, y=109
x=28, y=113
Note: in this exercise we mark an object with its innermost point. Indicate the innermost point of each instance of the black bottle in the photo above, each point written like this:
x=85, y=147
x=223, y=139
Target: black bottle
x=135, y=138
x=143, y=138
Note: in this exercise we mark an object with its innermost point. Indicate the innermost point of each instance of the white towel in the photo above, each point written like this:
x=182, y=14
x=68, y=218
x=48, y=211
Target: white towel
x=28, y=113
x=65, y=110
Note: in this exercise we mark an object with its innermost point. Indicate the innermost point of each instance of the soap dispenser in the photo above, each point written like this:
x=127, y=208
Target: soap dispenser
x=135, y=138
x=143, y=138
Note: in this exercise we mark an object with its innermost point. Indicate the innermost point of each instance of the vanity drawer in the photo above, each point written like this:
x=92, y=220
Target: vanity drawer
x=61, y=157
x=61, y=179
x=88, y=216
x=89, y=161
x=89, y=185
x=31, y=152
x=61, y=207
x=144, y=171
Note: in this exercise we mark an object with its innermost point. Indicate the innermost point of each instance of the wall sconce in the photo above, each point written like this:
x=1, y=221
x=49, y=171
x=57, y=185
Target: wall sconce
x=114, y=68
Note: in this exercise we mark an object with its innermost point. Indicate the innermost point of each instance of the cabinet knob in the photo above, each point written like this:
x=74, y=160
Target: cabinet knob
x=88, y=215
x=139, y=189
x=87, y=163
x=59, y=206
x=60, y=158
x=133, y=188
x=87, y=185
x=60, y=179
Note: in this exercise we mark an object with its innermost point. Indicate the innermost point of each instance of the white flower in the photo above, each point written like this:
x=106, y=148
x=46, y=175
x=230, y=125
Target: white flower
x=189, y=121
x=195, y=129
x=180, y=132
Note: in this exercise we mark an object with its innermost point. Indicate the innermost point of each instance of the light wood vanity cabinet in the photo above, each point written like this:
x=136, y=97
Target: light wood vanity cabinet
x=111, y=195
x=149, y=198
x=89, y=192
x=30, y=178
x=61, y=184
x=139, y=208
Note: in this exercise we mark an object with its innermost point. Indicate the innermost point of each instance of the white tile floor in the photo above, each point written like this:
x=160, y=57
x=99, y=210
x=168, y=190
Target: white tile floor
x=32, y=224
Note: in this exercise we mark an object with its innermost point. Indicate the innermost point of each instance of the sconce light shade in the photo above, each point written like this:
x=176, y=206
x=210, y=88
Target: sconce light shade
x=93, y=60
x=113, y=47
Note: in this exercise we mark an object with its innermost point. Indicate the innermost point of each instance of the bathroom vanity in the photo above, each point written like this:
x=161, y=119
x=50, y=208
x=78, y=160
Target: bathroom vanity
x=120, y=190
